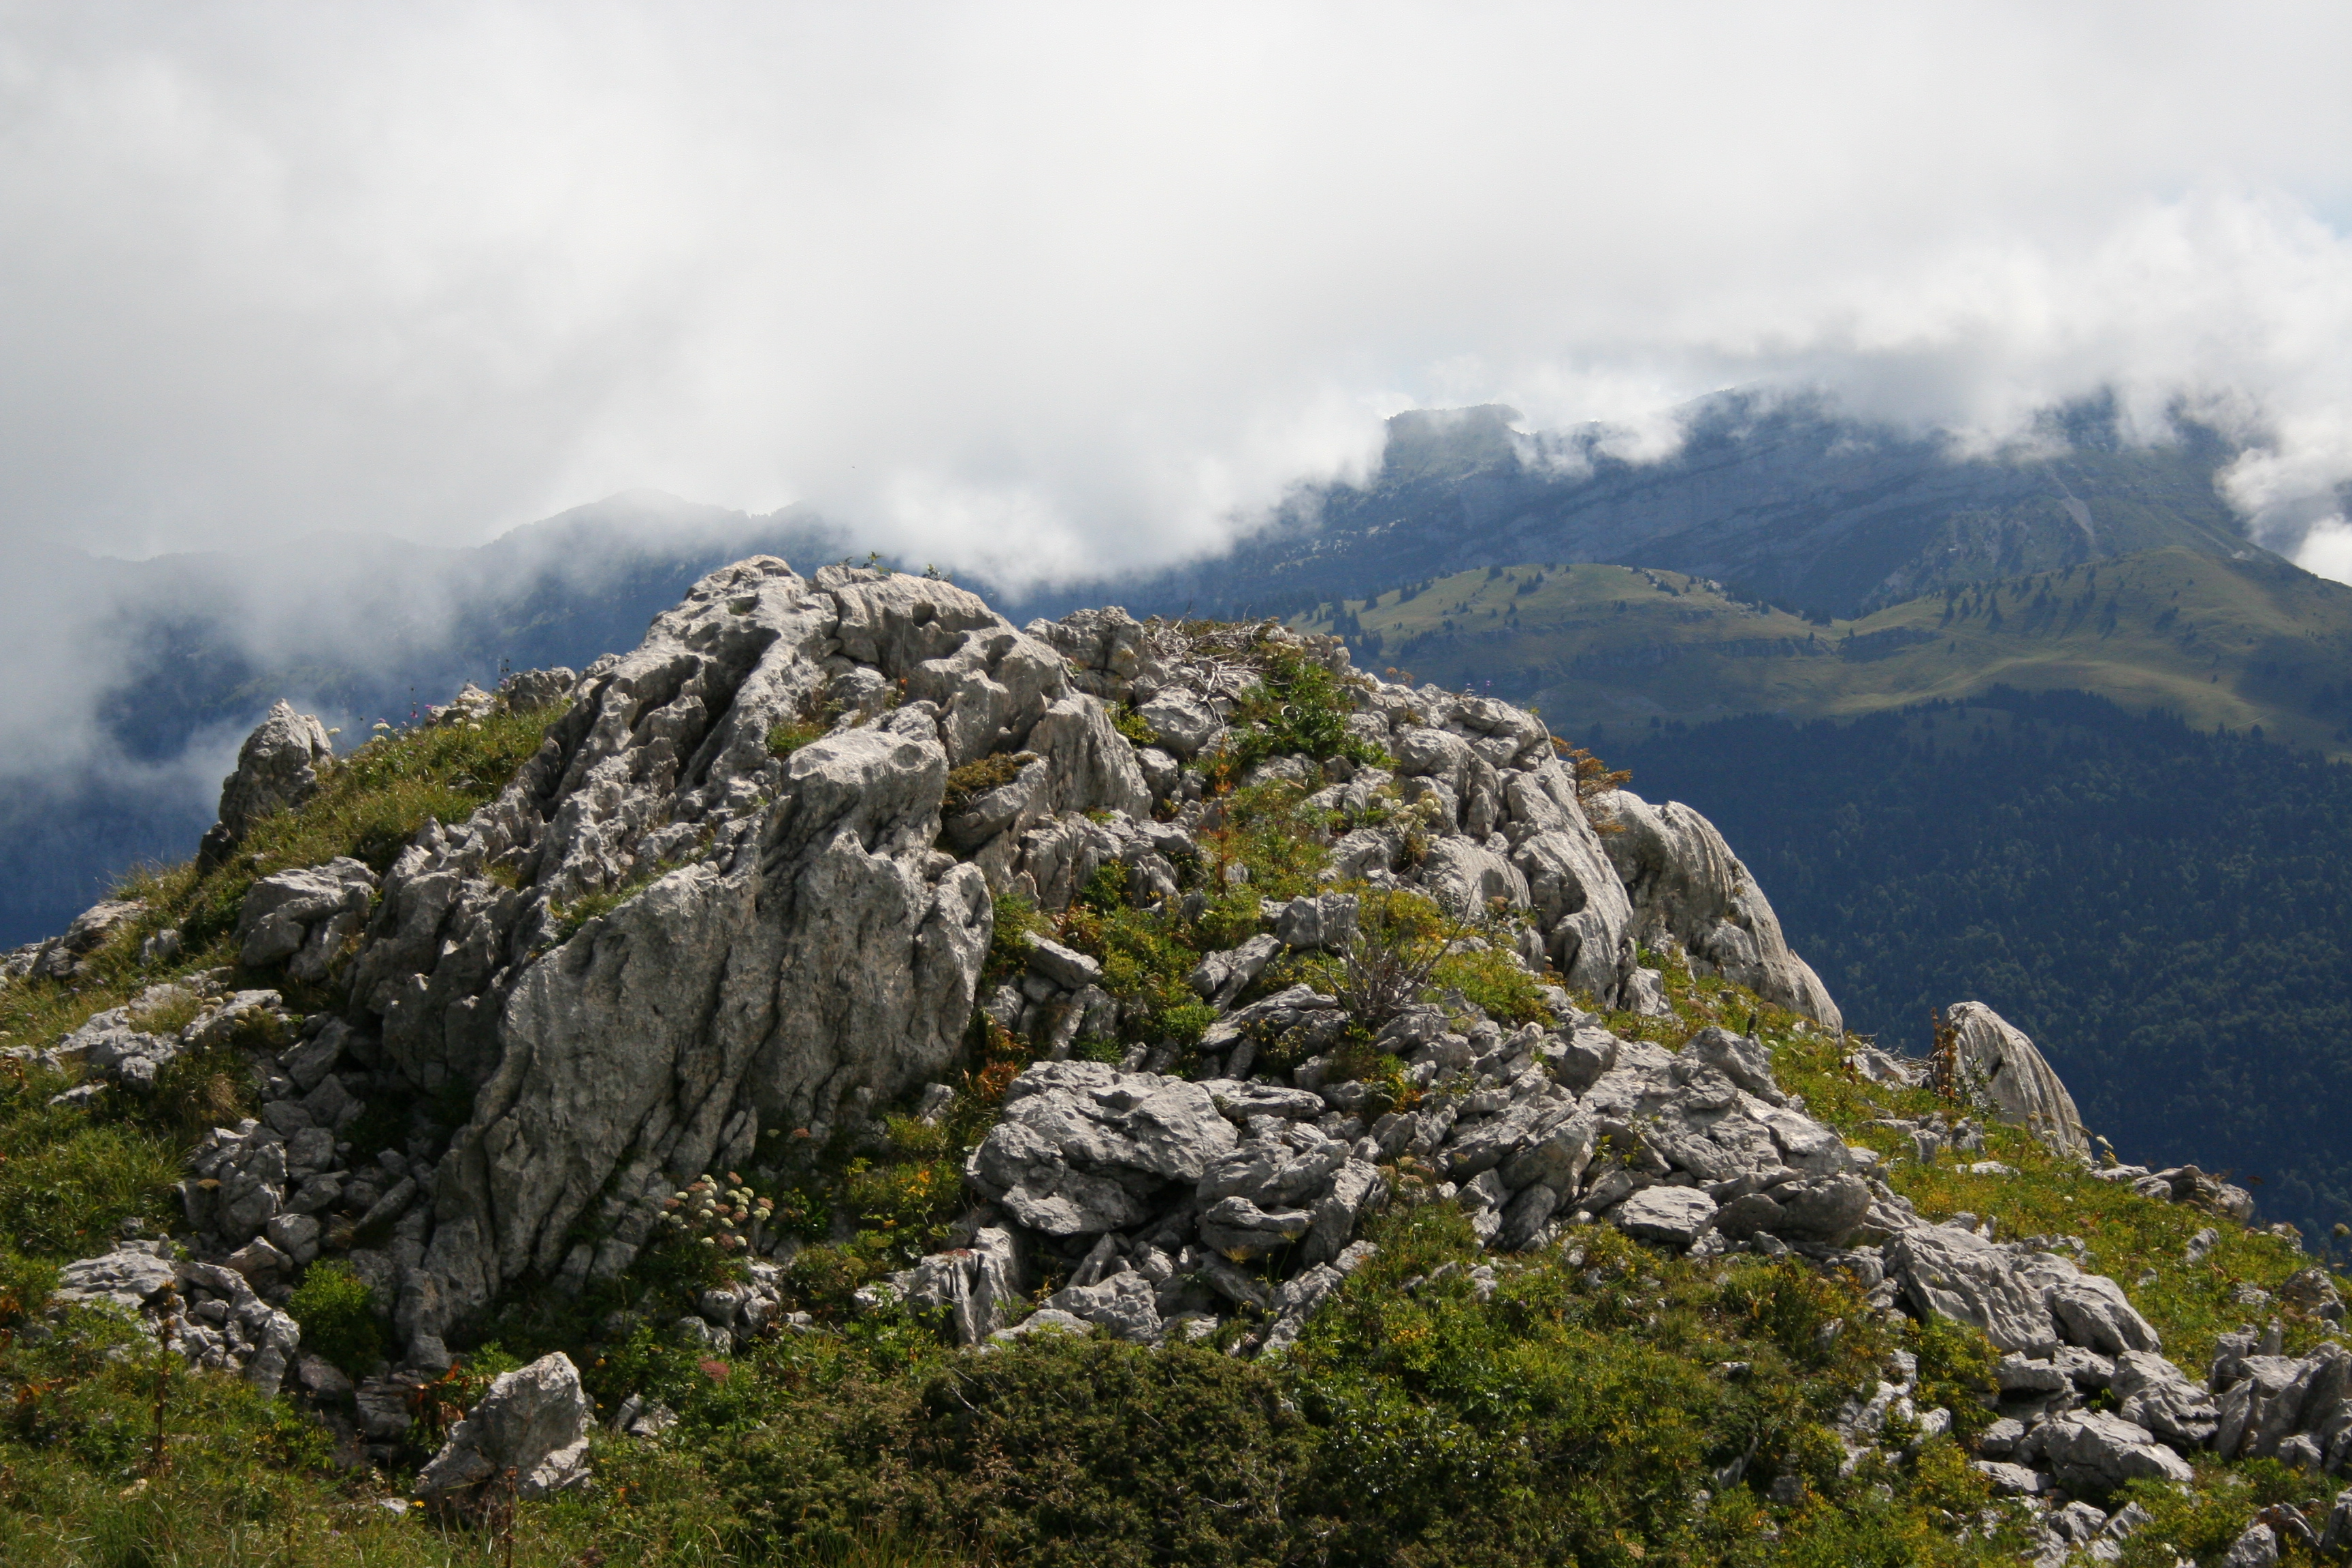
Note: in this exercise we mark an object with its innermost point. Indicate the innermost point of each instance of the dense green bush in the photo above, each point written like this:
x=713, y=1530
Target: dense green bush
x=337, y=1311
x=1297, y=708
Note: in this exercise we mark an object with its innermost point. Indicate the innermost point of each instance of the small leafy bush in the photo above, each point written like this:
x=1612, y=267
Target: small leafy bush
x=1401, y=941
x=337, y=1311
x=982, y=774
x=1298, y=707
x=1134, y=727
x=1493, y=980
x=786, y=736
x=1017, y=920
x=1270, y=833
x=813, y=720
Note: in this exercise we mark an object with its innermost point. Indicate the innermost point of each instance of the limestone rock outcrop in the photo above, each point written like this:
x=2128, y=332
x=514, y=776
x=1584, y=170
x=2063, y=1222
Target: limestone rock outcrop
x=277, y=767
x=726, y=902
x=2001, y=1066
x=214, y=1316
x=532, y=1425
x=1688, y=888
x=713, y=907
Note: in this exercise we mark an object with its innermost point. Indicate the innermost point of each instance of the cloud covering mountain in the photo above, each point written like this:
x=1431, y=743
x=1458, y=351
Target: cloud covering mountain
x=1043, y=290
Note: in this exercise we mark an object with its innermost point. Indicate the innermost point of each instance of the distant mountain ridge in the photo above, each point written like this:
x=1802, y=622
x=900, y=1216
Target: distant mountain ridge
x=1786, y=500
x=2253, y=646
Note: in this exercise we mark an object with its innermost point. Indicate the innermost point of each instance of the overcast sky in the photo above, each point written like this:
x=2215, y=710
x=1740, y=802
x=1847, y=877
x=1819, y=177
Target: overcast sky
x=1026, y=287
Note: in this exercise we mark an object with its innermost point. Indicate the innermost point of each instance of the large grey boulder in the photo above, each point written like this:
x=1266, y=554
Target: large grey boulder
x=2157, y=1394
x=1953, y=1273
x=1184, y=724
x=2296, y=1408
x=2091, y=1311
x=1688, y=888
x=531, y=1425
x=277, y=769
x=1676, y=1216
x=2000, y=1064
x=2091, y=1450
x=1825, y=1209
x=302, y=918
x=1468, y=879
x=776, y=940
x=1125, y=1306
x=976, y=1286
x=2024, y=1300
x=716, y=1002
x=2338, y=1533
x=1083, y=1148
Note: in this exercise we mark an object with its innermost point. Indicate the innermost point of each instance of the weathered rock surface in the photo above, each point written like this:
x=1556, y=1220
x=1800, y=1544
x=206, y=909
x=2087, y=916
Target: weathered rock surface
x=1675, y=1216
x=2093, y=1451
x=303, y=918
x=2153, y=1392
x=1689, y=889
x=1083, y=1148
x=2026, y=1302
x=217, y=1321
x=1999, y=1063
x=2275, y=1407
x=276, y=768
x=787, y=938
x=532, y=1425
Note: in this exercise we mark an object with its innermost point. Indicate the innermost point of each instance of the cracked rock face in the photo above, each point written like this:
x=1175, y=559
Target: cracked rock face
x=533, y=1421
x=276, y=768
x=2002, y=1065
x=302, y=918
x=1687, y=885
x=796, y=939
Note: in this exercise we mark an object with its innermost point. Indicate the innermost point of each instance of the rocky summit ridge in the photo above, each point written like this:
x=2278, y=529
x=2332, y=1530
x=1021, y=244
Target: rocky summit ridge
x=827, y=859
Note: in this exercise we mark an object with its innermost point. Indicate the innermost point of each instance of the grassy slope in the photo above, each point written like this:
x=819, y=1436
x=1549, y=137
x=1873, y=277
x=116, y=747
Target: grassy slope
x=1580, y=1412
x=2220, y=642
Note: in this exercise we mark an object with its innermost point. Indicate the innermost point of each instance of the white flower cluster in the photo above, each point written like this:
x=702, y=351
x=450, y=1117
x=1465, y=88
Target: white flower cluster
x=730, y=1218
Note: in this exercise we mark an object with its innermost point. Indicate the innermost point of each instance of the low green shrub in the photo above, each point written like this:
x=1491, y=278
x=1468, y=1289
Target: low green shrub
x=980, y=776
x=1494, y=981
x=1134, y=727
x=337, y=1310
x=1297, y=708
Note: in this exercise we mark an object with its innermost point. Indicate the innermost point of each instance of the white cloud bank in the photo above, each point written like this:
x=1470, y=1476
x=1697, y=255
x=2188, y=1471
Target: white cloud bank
x=1032, y=289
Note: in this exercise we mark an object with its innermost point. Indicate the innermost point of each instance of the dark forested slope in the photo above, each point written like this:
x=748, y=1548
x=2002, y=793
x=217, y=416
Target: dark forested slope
x=2167, y=912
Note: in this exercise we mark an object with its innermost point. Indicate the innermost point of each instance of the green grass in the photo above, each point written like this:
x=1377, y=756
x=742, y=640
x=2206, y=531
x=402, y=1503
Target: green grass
x=2129, y=1237
x=71, y=1176
x=1589, y=1408
x=369, y=806
x=2220, y=642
